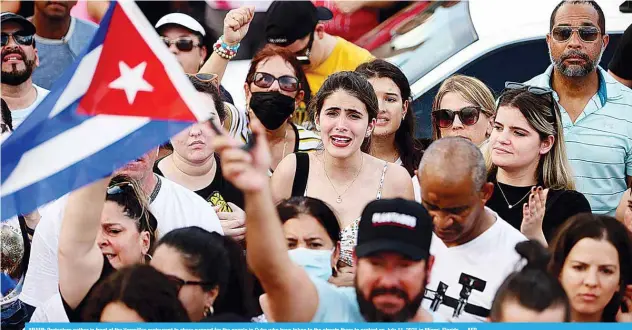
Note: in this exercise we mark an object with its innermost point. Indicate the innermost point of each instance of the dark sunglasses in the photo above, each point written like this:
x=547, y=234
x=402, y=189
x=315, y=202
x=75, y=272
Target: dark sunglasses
x=303, y=55
x=179, y=283
x=586, y=33
x=265, y=80
x=184, y=44
x=20, y=37
x=467, y=115
x=540, y=91
x=211, y=78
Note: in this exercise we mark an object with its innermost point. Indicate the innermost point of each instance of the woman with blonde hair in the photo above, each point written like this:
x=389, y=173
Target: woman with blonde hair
x=457, y=108
x=526, y=159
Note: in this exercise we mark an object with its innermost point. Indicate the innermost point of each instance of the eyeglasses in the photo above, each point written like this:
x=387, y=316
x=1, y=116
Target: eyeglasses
x=179, y=283
x=540, y=91
x=265, y=80
x=303, y=55
x=20, y=37
x=206, y=78
x=183, y=44
x=467, y=115
x=117, y=188
x=586, y=33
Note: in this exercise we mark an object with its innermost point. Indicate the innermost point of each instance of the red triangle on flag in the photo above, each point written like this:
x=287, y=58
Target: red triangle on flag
x=130, y=80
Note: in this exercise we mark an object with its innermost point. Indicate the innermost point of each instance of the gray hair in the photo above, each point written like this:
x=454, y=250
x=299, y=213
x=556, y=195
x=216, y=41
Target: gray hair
x=453, y=157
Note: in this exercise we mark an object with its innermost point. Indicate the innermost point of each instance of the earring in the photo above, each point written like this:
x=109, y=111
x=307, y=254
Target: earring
x=208, y=310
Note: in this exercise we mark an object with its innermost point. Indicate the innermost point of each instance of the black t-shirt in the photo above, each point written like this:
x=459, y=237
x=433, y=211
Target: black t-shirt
x=621, y=63
x=76, y=315
x=218, y=190
x=560, y=205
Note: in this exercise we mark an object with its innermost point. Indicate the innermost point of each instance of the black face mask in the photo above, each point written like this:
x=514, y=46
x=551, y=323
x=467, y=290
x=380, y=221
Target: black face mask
x=272, y=108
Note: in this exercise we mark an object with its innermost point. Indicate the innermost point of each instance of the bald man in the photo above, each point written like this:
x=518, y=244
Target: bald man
x=474, y=248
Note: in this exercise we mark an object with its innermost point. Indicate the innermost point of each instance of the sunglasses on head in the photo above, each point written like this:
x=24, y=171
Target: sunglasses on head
x=210, y=78
x=117, y=188
x=265, y=80
x=540, y=91
x=20, y=37
x=586, y=33
x=467, y=115
x=179, y=283
x=184, y=44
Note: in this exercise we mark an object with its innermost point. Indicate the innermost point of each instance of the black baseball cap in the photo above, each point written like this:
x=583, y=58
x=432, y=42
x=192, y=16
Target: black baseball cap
x=288, y=21
x=395, y=225
x=7, y=16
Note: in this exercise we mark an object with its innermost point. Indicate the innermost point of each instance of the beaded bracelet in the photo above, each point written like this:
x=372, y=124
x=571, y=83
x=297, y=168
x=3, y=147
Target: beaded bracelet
x=224, y=50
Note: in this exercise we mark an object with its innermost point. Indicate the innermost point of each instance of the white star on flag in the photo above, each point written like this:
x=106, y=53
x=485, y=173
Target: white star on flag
x=131, y=80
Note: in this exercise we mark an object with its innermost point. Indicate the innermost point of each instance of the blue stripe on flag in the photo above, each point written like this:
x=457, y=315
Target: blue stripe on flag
x=85, y=171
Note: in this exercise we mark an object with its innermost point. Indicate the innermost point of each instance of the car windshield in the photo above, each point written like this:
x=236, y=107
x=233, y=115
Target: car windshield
x=422, y=41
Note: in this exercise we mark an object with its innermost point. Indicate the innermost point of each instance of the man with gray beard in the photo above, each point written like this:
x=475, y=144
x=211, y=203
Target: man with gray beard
x=19, y=59
x=596, y=109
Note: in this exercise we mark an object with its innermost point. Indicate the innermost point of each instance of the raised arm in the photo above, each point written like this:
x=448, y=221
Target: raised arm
x=79, y=258
x=291, y=297
x=236, y=24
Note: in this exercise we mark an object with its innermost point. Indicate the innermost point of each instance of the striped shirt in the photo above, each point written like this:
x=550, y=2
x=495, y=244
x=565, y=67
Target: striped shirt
x=599, y=142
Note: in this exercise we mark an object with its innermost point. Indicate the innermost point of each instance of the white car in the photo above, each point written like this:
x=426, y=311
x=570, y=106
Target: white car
x=493, y=40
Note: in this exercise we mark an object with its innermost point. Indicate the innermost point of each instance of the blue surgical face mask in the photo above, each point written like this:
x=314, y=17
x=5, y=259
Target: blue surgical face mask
x=317, y=263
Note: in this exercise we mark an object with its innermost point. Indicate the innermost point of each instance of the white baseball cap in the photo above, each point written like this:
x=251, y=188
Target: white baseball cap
x=183, y=20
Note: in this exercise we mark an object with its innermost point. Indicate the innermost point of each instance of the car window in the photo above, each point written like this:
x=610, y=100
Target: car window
x=420, y=44
x=515, y=62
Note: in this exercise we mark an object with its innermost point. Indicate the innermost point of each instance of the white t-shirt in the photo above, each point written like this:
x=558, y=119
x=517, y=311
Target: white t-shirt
x=174, y=207
x=490, y=258
x=18, y=115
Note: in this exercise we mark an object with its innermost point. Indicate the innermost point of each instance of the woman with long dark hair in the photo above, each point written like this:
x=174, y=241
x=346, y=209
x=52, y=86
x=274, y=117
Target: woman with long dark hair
x=592, y=257
x=343, y=174
x=393, y=138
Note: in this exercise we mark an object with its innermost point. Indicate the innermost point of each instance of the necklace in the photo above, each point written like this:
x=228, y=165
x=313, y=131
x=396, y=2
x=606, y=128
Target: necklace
x=339, y=199
x=505, y=197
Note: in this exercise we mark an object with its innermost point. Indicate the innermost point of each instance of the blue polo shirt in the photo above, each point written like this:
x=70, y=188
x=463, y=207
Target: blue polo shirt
x=599, y=142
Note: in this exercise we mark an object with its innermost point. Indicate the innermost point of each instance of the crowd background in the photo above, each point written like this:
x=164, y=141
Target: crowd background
x=518, y=209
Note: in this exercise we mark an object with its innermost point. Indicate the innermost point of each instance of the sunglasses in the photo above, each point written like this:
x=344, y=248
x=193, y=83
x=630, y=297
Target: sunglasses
x=535, y=90
x=20, y=37
x=467, y=115
x=286, y=83
x=303, y=55
x=117, y=188
x=586, y=33
x=211, y=78
x=179, y=283
x=184, y=44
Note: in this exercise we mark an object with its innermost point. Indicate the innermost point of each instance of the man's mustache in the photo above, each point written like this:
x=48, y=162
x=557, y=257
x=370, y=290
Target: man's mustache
x=575, y=54
x=394, y=291
x=10, y=51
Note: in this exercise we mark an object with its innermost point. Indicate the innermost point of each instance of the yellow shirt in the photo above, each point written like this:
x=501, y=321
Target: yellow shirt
x=345, y=57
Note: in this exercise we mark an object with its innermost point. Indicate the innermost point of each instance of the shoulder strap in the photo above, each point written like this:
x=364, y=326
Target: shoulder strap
x=300, y=175
x=379, y=190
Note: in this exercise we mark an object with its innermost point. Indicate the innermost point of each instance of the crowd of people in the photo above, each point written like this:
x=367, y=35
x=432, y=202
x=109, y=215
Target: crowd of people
x=520, y=210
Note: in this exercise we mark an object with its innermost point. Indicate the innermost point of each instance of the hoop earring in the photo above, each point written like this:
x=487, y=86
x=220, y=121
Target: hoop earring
x=208, y=310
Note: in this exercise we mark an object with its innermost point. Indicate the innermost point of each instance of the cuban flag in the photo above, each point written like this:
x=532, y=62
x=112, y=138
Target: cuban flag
x=125, y=95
